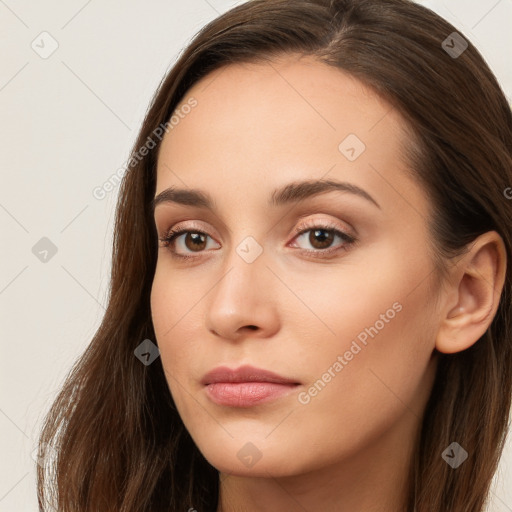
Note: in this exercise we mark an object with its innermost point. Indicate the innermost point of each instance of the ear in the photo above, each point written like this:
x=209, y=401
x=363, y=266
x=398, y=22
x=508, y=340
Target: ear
x=472, y=294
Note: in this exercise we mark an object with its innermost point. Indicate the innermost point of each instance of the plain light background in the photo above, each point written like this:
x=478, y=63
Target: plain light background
x=68, y=122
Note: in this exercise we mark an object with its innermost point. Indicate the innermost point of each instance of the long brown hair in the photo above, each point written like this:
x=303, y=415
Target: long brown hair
x=120, y=442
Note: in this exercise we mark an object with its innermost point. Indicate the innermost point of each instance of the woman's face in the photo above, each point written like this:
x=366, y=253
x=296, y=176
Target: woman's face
x=331, y=290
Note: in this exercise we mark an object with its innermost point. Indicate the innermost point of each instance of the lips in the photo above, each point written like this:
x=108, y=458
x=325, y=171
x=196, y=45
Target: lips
x=244, y=373
x=246, y=386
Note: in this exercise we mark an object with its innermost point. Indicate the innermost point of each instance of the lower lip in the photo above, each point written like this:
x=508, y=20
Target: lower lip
x=246, y=394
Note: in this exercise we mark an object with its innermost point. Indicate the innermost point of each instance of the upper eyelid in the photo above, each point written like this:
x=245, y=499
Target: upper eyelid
x=301, y=219
x=301, y=226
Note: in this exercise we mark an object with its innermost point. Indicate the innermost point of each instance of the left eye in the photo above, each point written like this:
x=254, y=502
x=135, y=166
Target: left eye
x=321, y=238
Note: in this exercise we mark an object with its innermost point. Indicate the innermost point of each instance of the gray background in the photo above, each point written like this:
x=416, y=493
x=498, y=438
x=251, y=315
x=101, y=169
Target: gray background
x=68, y=123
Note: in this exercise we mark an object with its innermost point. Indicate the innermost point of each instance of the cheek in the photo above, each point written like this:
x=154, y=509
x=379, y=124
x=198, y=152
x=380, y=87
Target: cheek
x=175, y=300
x=172, y=310
x=169, y=306
x=376, y=368
x=380, y=296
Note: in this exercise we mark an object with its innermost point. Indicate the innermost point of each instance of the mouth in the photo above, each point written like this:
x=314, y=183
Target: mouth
x=246, y=386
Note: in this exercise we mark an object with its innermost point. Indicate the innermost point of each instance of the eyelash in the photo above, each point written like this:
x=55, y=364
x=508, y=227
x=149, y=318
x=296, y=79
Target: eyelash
x=170, y=236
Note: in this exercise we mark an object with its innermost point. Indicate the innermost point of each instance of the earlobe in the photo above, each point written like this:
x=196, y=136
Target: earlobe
x=473, y=296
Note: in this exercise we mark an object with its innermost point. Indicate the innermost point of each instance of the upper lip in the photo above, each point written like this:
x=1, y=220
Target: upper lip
x=244, y=373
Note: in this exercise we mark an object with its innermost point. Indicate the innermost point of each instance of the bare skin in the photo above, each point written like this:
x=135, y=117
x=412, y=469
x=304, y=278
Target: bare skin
x=345, y=444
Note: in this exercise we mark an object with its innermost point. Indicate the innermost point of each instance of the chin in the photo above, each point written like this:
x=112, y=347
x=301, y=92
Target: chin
x=244, y=458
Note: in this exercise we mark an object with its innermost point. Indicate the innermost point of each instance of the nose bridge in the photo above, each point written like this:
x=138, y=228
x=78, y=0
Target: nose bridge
x=245, y=265
x=239, y=297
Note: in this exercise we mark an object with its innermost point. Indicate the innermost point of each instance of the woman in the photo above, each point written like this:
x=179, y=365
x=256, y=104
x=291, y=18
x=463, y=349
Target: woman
x=310, y=301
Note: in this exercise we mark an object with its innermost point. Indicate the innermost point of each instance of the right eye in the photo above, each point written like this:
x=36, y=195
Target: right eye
x=194, y=240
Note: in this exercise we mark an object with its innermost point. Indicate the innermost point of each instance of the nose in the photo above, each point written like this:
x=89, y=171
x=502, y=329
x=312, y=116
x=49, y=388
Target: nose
x=243, y=301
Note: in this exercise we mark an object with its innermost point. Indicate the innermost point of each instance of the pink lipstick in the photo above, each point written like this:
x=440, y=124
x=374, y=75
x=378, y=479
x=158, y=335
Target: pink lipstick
x=245, y=386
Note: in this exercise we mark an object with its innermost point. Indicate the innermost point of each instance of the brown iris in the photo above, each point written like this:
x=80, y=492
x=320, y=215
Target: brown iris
x=319, y=236
x=195, y=241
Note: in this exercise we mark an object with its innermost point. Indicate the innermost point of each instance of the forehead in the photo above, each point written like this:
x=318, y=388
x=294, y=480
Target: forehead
x=256, y=126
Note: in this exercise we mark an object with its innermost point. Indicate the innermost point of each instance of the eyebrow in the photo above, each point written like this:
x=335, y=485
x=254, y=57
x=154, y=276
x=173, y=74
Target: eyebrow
x=290, y=193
